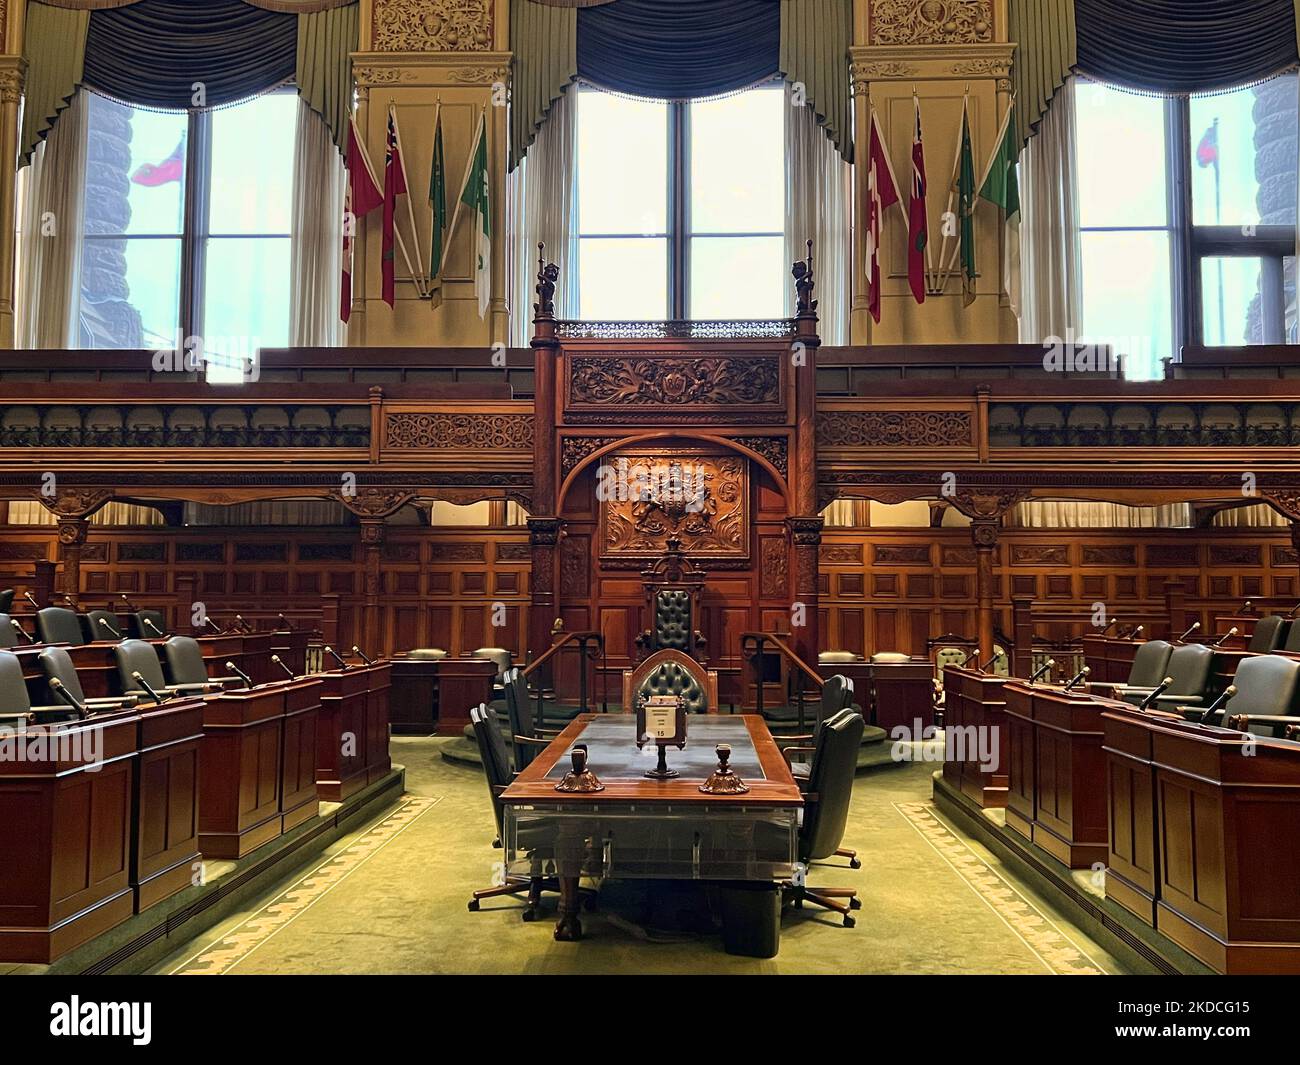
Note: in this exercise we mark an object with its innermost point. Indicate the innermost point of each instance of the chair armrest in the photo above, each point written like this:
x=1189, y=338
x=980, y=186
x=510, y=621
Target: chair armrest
x=113, y=700
x=536, y=741
x=788, y=751
x=177, y=689
x=1266, y=719
x=807, y=737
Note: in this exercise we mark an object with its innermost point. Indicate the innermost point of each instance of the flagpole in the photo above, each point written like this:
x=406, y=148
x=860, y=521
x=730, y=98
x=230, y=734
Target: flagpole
x=988, y=169
x=435, y=269
x=1218, y=221
x=365, y=158
x=480, y=128
x=410, y=210
x=952, y=181
x=929, y=245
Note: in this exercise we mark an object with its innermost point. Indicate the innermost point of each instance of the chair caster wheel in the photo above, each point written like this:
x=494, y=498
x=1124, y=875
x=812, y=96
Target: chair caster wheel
x=855, y=904
x=849, y=922
x=473, y=905
x=798, y=904
x=529, y=915
x=855, y=863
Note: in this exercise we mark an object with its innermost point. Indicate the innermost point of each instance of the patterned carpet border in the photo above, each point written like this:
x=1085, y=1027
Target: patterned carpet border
x=223, y=955
x=1039, y=933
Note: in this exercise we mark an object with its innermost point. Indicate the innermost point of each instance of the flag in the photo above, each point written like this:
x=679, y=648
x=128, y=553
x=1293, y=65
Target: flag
x=918, y=222
x=1002, y=187
x=1207, y=152
x=170, y=169
x=476, y=195
x=361, y=195
x=966, y=209
x=438, y=206
x=394, y=186
x=882, y=193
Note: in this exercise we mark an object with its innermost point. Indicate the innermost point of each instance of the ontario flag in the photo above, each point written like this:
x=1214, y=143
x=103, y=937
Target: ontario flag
x=394, y=186
x=1207, y=152
x=361, y=195
x=882, y=193
x=170, y=169
x=918, y=222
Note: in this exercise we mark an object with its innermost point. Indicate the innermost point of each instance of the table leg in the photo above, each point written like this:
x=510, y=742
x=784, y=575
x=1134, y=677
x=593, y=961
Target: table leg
x=569, y=929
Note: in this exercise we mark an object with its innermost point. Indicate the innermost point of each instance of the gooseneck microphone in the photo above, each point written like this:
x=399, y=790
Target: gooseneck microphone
x=1046, y=667
x=105, y=622
x=21, y=631
x=136, y=676
x=966, y=660
x=1194, y=626
x=362, y=654
x=1226, y=636
x=997, y=657
x=288, y=672
x=334, y=655
x=59, y=689
x=28, y=597
x=1249, y=608
x=287, y=624
x=212, y=625
x=1084, y=672
x=1218, y=703
x=1156, y=692
x=1135, y=633
x=154, y=627
x=244, y=625
x=248, y=681
x=1106, y=628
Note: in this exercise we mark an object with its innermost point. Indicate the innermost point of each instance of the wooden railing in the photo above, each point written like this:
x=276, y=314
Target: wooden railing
x=590, y=646
x=753, y=646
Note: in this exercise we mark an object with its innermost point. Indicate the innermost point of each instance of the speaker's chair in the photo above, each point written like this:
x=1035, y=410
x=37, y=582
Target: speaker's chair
x=673, y=587
x=672, y=672
x=58, y=624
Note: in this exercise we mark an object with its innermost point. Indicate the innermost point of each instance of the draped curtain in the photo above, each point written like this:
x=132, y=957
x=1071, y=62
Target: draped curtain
x=293, y=7
x=54, y=46
x=316, y=234
x=1079, y=514
x=815, y=40
x=545, y=42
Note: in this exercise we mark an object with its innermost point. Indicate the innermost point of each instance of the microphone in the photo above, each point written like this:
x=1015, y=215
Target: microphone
x=334, y=655
x=1046, y=667
x=997, y=657
x=135, y=676
x=105, y=622
x=28, y=597
x=1135, y=633
x=1249, y=608
x=1294, y=611
x=248, y=681
x=1156, y=692
x=23, y=632
x=1195, y=625
x=288, y=672
x=364, y=657
x=287, y=624
x=1077, y=677
x=1227, y=635
x=244, y=625
x=57, y=686
x=212, y=625
x=966, y=660
x=1218, y=703
x=1104, y=629
x=153, y=626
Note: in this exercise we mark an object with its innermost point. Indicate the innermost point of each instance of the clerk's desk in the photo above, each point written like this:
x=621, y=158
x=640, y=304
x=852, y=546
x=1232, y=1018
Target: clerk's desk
x=975, y=723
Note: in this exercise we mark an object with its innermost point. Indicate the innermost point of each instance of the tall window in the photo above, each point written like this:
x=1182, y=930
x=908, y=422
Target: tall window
x=681, y=208
x=1188, y=217
x=186, y=228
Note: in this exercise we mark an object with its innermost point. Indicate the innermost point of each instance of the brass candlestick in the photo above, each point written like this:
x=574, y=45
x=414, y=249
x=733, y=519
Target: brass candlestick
x=723, y=780
x=580, y=778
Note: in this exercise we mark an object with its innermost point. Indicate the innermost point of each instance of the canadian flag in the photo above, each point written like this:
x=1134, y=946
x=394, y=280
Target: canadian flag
x=882, y=193
x=361, y=195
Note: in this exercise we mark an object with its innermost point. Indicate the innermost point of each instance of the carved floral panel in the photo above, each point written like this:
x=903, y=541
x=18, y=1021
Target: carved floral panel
x=454, y=432
x=931, y=21
x=897, y=428
x=433, y=25
x=667, y=385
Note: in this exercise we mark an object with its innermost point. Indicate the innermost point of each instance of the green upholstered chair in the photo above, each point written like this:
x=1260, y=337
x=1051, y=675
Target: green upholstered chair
x=1150, y=666
x=147, y=625
x=101, y=625
x=16, y=706
x=427, y=654
x=826, y=808
x=1268, y=693
x=1268, y=635
x=136, y=656
x=56, y=664
x=1292, y=643
x=8, y=635
x=525, y=735
x=58, y=624
x=1189, y=668
x=672, y=672
x=6, y=599
x=186, y=668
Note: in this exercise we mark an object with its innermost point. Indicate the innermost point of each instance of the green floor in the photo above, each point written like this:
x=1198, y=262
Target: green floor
x=391, y=899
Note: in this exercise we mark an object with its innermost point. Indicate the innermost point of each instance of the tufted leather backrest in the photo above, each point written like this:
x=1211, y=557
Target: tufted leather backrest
x=13, y=689
x=1150, y=664
x=101, y=625
x=1189, y=665
x=492, y=753
x=830, y=778
x=673, y=619
x=184, y=661
x=137, y=656
x=8, y=638
x=156, y=629
x=1266, y=685
x=672, y=678
x=56, y=662
x=1268, y=634
x=57, y=624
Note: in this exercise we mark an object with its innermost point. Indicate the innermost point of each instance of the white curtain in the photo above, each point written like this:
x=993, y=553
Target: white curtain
x=541, y=200
x=817, y=208
x=316, y=237
x=1082, y=514
x=51, y=211
x=1049, y=232
x=1259, y=515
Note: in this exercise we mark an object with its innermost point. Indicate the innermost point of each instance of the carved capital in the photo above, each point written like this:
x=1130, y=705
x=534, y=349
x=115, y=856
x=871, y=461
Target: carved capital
x=76, y=502
x=372, y=502
x=73, y=531
x=984, y=534
x=544, y=532
x=373, y=531
x=805, y=532
x=1286, y=501
x=987, y=504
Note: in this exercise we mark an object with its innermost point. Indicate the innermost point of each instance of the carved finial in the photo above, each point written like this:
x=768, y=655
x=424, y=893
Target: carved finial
x=547, y=275
x=803, y=285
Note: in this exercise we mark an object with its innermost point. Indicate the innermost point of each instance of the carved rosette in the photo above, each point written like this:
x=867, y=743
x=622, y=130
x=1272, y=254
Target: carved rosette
x=895, y=428
x=372, y=531
x=73, y=531
x=984, y=534
x=409, y=431
x=673, y=382
x=931, y=21
x=372, y=502
x=433, y=25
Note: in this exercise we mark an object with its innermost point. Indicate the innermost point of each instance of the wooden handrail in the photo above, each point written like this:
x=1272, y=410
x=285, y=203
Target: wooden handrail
x=778, y=639
x=568, y=637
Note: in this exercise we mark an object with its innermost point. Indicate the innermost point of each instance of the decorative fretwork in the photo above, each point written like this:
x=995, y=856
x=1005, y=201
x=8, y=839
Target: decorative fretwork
x=433, y=25
x=931, y=21
x=704, y=380
x=895, y=428
x=573, y=449
x=717, y=329
x=776, y=449
x=1132, y=425
x=456, y=432
x=774, y=567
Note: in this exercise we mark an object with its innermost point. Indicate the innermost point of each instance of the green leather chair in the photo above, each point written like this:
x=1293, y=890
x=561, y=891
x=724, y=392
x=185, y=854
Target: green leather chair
x=671, y=672
x=8, y=637
x=16, y=707
x=147, y=625
x=58, y=624
x=1268, y=693
x=525, y=735
x=101, y=625
x=56, y=664
x=1268, y=635
x=1150, y=666
x=1189, y=667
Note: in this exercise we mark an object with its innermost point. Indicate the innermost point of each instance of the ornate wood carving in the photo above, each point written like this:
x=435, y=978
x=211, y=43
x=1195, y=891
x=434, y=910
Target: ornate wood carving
x=573, y=449
x=1120, y=555
x=709, y=329
x=456, y=552
x=433, y=25
x=455, y=432
x=776, y=449
x=902, y=554
x=575, y=573
x=632, y=380
x=373, y=502
x=1040, y=555
x=1172, y=555
x=701, y=497
x=987, y=504
x=74, y=503
x=842, y=554
x=931, y=21
x=895, y=428
x=774, y=571
x=1286, y=501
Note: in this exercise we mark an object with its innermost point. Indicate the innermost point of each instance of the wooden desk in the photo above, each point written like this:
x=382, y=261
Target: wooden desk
x=653, y=828
x=974, y=718
x=291, y=646
x=413, y=700
x=462, y=683
x=902, y=693
x=165, y=851
x=1056, y=793
x=1109, y=657
x=352, y=730
x=66, y=836
x=1208, y=857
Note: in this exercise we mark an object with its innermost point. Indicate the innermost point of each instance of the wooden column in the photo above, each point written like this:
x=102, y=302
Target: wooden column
x=72, y=507
x=985, y=508
x=372, y=506
x=804, y=521
x=543, y=523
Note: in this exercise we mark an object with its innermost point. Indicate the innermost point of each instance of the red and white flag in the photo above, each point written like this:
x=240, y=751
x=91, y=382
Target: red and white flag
x=918, y=223
x=882, y=193
x=361, y=195
x=394, y=186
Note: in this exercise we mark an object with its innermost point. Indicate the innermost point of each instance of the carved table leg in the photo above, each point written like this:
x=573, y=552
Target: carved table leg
x=569, y=929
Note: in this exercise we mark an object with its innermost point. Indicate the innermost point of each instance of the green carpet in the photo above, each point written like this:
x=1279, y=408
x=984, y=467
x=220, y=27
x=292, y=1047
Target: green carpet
x=391, y=899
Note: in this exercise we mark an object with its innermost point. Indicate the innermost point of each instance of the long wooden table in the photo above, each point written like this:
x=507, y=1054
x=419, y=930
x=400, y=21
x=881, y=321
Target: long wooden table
x=644, y=828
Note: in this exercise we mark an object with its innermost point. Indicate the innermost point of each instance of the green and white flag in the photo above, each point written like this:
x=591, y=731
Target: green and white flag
x=477, y=197
x=438, y=205
x=966, y=209
x=1002, y=187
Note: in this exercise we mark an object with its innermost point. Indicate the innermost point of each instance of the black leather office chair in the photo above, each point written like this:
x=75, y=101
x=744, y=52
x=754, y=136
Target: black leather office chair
x=836, y=695
x=1150, y=666
x=8, y=637
x=185, y=666
x=1268, y=693
x=496, y=770
x=1268, y=634
x=826, y=809
x=136, y=656
x=16, y=706
x=1189, y=667
x=147, y=625
x=101, y=625
x=6, y=599
x=56, y=663
x=58, y=624
x=526, y=737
